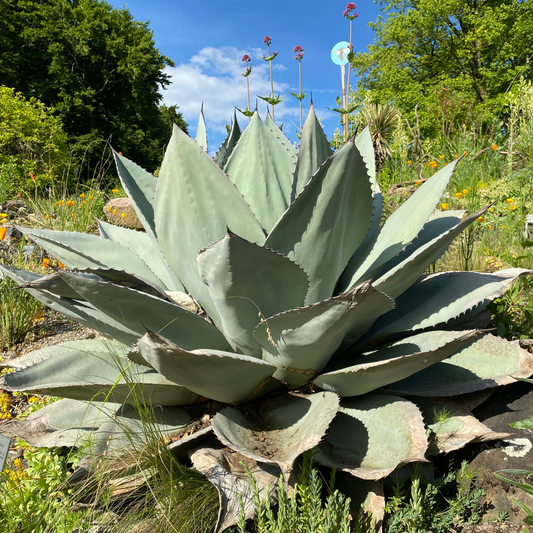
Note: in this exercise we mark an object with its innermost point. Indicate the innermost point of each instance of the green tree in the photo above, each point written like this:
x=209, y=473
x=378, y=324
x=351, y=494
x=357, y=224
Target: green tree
x=32, y=140
x=452, y=57
x=95, y=65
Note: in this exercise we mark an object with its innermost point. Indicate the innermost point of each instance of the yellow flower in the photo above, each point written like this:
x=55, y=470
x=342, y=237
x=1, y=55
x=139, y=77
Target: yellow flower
x=90, y=197
x=494, y=146
x=61, y=202
x=444, y=206
x=491, y=209
x=108, y=208
x=409, y=162
x=418, y=182
x=465, y=153
x=503, y=226
x=114, y=191
x=490, y=227
x=509, y=200
x=122, y=215
x=46, y=263
x=82, y=196
x=441, y=156
x=46, y=216
x=458, y=194
x=513, y=207
x=70, y=203
x=3, y=215
x=455, y=155
x=481, y=219
x=114, y=211
x=433, y=164
x=465, y=192
x=61, y=265
x=83, y=202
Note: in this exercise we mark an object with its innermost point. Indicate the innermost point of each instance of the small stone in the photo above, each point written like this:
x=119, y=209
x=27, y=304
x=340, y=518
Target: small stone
x=116, y=207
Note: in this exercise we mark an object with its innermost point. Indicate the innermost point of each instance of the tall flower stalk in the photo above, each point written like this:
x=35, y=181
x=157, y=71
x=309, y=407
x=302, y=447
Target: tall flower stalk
x=350, y=14
x=247, y=73
x=272, y=100
x=299, y=51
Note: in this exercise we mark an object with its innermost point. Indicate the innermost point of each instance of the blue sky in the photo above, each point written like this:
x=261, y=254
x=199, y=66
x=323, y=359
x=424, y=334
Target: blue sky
x=207, y=42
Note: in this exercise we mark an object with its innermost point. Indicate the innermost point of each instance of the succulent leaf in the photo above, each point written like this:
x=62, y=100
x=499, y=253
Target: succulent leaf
x=82, y=250
x=438, y=298
x=453, y=424
x=302, y=341
x=398, y=231
x=260, y=154
x=201, y=132
x=226, y=149
x=393, y=362
x=373, y=435
x=439, y=223
x=327, y=222
x=138, y=311
x=314, y=150
x=282, y=428
x=403, y=275
x=280, y=136
x=97, y=371
x=220, y=375
x=485, y=363
x=107, y=426
x=211, y=201
x=140, y=188
x=248, y=282
x=82, y=312
x=142, y=245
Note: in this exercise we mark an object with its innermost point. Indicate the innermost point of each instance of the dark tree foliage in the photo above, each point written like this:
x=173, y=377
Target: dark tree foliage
x=96, y=66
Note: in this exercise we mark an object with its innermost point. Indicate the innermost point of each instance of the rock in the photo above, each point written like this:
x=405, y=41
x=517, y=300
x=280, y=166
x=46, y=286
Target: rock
x=115, y=208
x=14, y=205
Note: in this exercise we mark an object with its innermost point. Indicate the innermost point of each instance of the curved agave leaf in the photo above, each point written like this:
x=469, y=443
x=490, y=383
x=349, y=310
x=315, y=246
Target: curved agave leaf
x=226, y=148
x=106, y=426
x=453, y=424
x=439, y=223
x=201, y=132
x=96, y=371
x=398, y=231
x=280, y=136
x=53, y=283
x=247, y=282
x=402, y=276
x=82, y=312
x=393, y=362
x=485, y=363
x=140, y=188
x=191, y=187
x=438, y=298
x=82, y=250
x=319, y=231
x=314, y=150
x=280, y=429
x=141, y=244
x=302, y=341
x=138, y=311
x=223, y=376
x=373, y=435
x=229, y=472
x=261, y=168
x=365, y=145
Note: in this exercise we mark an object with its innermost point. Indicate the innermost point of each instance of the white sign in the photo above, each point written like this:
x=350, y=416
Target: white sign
x=5, y=443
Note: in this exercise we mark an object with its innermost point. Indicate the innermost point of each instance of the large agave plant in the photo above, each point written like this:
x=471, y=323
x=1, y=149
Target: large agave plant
x=266, y=283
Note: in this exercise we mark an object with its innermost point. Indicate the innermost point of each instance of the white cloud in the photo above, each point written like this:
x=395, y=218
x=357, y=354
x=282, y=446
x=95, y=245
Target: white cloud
x=214, y=76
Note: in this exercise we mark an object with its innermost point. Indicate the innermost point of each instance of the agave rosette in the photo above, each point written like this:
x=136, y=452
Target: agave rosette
x=265, y=274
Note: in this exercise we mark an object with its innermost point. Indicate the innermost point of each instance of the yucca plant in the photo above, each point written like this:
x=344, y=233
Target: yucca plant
x=265, y=283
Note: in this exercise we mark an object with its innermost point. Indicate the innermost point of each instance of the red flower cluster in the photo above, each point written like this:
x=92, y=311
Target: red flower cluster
x=267, y=40
x=246, y=58
x=350, y=6
x=299, y=51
